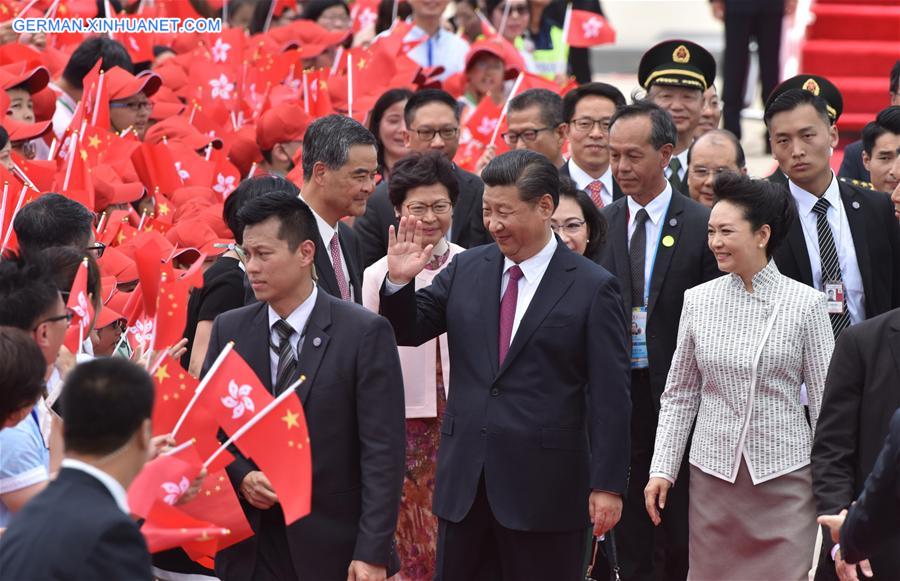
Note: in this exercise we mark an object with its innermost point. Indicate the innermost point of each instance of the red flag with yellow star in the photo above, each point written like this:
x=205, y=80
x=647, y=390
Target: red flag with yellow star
x=171, y=310
x=218, y=501
x=174, y=389
x=167, y=527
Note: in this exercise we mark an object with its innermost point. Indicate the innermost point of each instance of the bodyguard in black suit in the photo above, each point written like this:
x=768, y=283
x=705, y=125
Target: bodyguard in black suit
x=537, y=417
x=339, y=168
x=862, y=229
x=352, y=397
x=861, y=394
x=432, y=121
x=79, y=527
x=670, y=229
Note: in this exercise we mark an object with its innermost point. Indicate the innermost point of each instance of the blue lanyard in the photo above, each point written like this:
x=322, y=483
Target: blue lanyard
x=34, y=416
x=655, y=250
x=428, y=44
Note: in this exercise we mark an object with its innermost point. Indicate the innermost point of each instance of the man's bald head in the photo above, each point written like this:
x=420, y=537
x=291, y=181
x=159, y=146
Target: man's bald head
x=711, y=153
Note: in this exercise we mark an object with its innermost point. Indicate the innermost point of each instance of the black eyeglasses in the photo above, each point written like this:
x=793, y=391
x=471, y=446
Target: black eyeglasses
x=586, y=124
x=528, y=135
x=67, y=317
x=98, y=249
x=446, y=133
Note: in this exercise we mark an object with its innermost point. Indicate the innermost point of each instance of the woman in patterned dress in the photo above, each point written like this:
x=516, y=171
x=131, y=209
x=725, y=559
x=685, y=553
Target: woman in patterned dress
x=747, y=342
x=423, y=186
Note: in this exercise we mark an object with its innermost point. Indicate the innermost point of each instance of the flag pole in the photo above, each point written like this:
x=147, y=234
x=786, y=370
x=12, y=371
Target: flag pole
x=203, y=383
x=503, y=19
x=9, y=230
x=512, y=93
x=97, y=99
x=180, y=448
x=255, y=419
x=3, y=206
x=567, y=23
x=350, y=85
x=270, y=15
x=71, y=160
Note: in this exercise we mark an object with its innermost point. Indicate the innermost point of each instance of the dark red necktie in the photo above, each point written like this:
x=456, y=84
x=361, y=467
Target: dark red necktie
x=508, y=310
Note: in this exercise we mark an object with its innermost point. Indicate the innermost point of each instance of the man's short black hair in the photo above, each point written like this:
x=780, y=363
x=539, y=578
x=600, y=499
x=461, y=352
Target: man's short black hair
x=104, y=401
x=329, y=140
x=297, y=222
x=422, y=169
x=89, y=52
x=887, y=121
x=27, y=294
x=548, y=103
x=662, y=128
x=607, y=91
x=793, y=98
x=52, y=220
x=895, y=78
x=247, y=190
x=739, y=157
x=22, y=369
x=532, y=173
x=425, y=96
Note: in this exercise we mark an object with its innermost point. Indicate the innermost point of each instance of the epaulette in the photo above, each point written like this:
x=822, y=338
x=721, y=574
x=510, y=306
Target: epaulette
x=858, y=183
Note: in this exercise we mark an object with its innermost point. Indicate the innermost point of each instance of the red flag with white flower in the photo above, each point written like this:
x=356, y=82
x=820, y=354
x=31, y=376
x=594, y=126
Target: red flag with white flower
x=234, y=394
x=226, y=178
x=82, y=309
x=483, y=122
x=587, y=29
x=364, y=13
x=167, y=477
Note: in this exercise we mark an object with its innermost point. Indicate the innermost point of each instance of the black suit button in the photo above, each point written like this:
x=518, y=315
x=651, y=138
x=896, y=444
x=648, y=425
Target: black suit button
x=495, y=392
x=483, y=430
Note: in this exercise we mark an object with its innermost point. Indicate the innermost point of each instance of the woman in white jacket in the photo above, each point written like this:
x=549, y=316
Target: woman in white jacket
x=747, y=343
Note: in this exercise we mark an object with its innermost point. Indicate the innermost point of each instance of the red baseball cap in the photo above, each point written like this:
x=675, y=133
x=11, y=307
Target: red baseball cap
x=32, y=80
x=195, y=233
x=107, y=317
x=281, y=124
x=180, y=130
x=120, y=84
x=496, y=48
x=165, y=104
x=110, y=189
x=19, y=131
x=116, y=263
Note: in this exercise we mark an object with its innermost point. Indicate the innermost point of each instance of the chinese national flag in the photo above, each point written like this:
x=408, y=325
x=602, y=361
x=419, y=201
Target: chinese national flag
x=164, y=478
x=171, y=311
x=156, y=167
x=279, y=445
x=82, y=308
x=588, y=29
x=167, y=527
x=217, y=501
x=96, y=142
x=318, y=95
x=234, y=394
x=174, y=389
x=42, y=173
x=73, y=179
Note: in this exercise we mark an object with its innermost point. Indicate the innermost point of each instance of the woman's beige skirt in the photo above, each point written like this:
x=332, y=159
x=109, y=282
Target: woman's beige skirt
x=742, y=532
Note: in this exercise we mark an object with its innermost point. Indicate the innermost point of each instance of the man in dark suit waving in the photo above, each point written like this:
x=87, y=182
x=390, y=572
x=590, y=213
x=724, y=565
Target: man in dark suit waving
x=352, y=396
x=537, y=418
x=657, y=247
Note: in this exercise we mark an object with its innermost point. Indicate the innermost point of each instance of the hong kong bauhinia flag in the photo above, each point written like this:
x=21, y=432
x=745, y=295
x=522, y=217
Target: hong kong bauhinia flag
x=82, y=310
x=588, y=29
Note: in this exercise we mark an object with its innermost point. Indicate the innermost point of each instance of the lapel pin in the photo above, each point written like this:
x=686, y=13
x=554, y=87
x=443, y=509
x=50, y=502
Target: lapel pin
x=317, y=341
x=855, y=205
x=673, y=222
x=668, y=241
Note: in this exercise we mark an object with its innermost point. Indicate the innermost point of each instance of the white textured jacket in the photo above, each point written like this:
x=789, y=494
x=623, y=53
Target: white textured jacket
x=738, y=368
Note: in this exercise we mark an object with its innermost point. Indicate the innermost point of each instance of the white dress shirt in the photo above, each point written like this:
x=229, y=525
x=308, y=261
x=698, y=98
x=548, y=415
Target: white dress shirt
x=656, y=212
x=533, y=270
x=115, y=488
x=582, y=179
x=682, y=157
x=843, y=241
x=65, y=110
x=327, y=232
x=297, y=320
x=443, y=49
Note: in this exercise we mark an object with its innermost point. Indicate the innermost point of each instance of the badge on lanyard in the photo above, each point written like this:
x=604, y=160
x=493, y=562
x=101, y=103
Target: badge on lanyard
x=834, y=294
x=639, y=359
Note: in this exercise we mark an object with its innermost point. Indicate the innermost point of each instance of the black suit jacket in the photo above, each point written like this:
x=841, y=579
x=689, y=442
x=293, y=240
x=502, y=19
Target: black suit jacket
x=862, y=392
x=876, y=236
x=326, y=280
x=353, y=400
x=685, y=264
x=467, y=229
x=74, y=530
x=876, y=515
x=852, y=166
x=526, y=425
x=617, y=191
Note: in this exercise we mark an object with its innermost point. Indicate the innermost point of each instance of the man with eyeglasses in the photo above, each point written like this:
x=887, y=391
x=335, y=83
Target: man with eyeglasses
x=675, y=74
x=656, y=244
x=534, y=121
x=713, y=152
x=432, y=122
x=129, y=100
x=587, y=111
x=55, y=220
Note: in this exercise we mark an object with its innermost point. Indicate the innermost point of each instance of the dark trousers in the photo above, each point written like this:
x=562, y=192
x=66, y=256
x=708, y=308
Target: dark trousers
x=480, y=548
x=648, y=553
x=743, y=21
x=273, y=556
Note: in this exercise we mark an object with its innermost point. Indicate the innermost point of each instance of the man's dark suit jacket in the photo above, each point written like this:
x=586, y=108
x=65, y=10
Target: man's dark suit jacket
x=876, y=236
x=876, y=515
x=616, y=193
x=353, y=400
x=852, y=166
x=685, y=264
x=862, y=392
x=527, y=425
x=327, y=281
x=74, y=530
x=467, y=229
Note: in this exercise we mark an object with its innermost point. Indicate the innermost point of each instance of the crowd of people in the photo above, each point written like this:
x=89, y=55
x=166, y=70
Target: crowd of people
x=531, y=327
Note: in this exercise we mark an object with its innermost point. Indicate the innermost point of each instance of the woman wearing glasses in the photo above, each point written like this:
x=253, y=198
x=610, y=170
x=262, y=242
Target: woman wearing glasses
x=578, y=222
x=423, y=186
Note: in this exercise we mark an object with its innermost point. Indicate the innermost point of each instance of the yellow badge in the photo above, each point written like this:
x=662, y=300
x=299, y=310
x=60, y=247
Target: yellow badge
x=681, y=54
x=812, y=86
x=668, y=241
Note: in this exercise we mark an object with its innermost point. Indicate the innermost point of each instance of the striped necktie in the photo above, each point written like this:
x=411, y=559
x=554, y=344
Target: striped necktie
x=831, y=268
x=287, y=363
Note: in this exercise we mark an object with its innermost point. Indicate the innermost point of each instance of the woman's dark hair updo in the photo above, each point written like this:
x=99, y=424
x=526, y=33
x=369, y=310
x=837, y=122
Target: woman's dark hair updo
x=762, y=202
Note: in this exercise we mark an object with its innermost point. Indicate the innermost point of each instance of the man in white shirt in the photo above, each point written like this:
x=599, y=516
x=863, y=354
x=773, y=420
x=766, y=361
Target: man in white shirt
x=441, y=48
x=79, y=527
x=339, y=169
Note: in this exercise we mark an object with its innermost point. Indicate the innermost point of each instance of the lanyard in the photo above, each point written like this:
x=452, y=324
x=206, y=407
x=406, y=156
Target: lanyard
x=429, y=46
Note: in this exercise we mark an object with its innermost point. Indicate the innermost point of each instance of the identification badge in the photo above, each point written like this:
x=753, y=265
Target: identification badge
x=834, y=294
x=639, y=359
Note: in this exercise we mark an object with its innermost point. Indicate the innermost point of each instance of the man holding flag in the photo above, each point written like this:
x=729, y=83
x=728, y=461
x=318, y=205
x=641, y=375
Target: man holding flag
x=352, y=398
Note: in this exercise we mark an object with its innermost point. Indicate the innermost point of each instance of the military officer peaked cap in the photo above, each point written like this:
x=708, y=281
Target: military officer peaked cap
x=677, y=63
x=819, y=86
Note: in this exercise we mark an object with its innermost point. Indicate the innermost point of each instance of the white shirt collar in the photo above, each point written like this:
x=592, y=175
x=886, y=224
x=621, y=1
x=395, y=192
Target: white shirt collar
x=682, y=157
x=115, y=488
x=534, y=266
x=806, y=200
x=655, y=208
x=582, y=178
x=297, y=319
x=325, y=229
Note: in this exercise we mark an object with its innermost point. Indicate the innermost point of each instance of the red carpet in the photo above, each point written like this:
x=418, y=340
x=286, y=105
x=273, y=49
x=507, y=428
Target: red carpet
x=854, y=44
